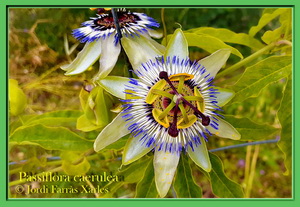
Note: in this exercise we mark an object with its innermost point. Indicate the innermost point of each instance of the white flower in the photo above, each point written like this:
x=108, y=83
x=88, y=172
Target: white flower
x=102, y=41
x=171, y=108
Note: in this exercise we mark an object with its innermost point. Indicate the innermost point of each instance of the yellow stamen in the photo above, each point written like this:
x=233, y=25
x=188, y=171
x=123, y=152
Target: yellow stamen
x=162, y=93
x=164, y=121
x=181, y=83
x=166, y=111
x=183, y=112
x=176, y=77
x=193, y=98
x=151, y=97
x=182, y=124
x=200, y=104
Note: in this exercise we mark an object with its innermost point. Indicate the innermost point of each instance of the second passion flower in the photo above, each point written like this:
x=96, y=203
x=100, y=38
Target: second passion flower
x=102, y=40
x=171, y=108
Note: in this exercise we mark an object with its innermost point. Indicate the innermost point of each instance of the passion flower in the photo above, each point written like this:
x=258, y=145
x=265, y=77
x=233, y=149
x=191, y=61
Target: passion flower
x=172, y=107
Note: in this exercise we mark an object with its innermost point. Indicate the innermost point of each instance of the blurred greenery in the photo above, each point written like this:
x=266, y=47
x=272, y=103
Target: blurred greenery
x=36, y=52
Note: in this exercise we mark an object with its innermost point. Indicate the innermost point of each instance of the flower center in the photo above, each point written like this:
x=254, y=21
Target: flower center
x=107, y=22
x=175, y=104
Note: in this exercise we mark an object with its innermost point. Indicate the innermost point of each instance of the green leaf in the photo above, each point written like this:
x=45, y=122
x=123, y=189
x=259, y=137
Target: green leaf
x=222, y=186
x=265, y=19
x=259, y=75
x=83, y=97
x=229, y=36
x=56, y=118
x=17, y=98
x=282, y=32
x=202, y=40
x=50, y=138
x=32, y=165
x=131, y=174
x=73, y=163
x=84, y=124
x=98, y=106
x=80, y=168
x=184, y=183
x=285, y=118
x=146, y=188
x=250, y=130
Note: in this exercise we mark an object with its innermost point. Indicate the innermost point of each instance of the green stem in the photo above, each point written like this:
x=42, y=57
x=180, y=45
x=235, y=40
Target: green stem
x=252, y=172
x=164, y=24
x=246, y=60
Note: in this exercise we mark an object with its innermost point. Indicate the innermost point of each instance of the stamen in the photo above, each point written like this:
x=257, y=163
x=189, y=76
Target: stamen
x=162, y=93
x=183, y=112
x=205, y=119
x=193, y=98
x=167, y=110
x=181, y=83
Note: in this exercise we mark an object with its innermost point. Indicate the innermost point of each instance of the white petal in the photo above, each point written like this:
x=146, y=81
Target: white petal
x=85, y=58
x=177, y=45
x=165, y=164
x=154, y=33
x=215, y=61
x=111, y=133
x=158, y=46
x=114, y=85
x=200, y=156
x=109, y=56
x=139, y=50
x=224, y=96
x=225, y=130
x=134, y=150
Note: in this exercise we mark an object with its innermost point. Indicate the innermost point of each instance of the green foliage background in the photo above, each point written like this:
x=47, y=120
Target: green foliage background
x=44, y=121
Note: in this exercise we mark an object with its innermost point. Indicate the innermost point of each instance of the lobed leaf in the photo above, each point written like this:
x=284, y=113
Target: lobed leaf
x=50, y=138
x=282, y=32
x=265, y=19
x=202, y=40
x=184, y=184
x=259, y=75
x=131, y=174
x=146, y=188
x=222, y=186
x=55, y=118
x=250, y=130
x=285, y=118
x=229, y=36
